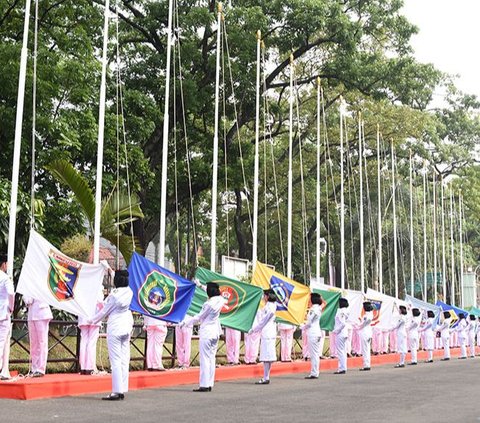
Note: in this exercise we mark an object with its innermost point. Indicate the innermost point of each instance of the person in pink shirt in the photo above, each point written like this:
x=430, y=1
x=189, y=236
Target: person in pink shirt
x=7, y=297
x=252, y=344
x=183, y=345
x=232, y=344
x=156, y=333
x=286, y=340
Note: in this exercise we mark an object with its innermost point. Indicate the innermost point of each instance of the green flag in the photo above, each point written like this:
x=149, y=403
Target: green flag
x=243, y=300
x=329, y=308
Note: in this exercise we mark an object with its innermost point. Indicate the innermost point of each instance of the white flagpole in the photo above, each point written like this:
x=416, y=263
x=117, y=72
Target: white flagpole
x=256, y=160
x=18, y=142
x=342, y=201
x=395, y=246
x=425, y=294
x=412, y=278
x=435, y=293
x=362, y=246
x=166, y=119
x=101, y=126
x=460, y=218
x=379, y=218
x=290, y=173
x=319, y=87
x=452, y=250
x=213, y=241
x=444, y=254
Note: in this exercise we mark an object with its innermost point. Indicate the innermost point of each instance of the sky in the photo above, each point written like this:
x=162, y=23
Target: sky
x=448, y=37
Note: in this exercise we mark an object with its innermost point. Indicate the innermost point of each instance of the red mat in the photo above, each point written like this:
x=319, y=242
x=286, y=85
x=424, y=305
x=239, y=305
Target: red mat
x=68, y=384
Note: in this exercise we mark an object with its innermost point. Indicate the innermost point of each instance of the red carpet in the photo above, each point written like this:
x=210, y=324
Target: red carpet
x=67, y=384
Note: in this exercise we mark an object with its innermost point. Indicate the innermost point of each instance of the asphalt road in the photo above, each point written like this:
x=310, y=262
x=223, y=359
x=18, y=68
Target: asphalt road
x=438, y=392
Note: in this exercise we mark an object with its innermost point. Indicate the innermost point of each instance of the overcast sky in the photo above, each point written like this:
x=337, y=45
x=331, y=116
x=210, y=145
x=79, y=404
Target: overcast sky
x=449, y=37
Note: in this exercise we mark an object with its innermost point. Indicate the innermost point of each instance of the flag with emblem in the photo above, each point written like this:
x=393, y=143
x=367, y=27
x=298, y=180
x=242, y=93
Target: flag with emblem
x=60, y=281
x=158, y=292
x=293, y=297
x=242, y=298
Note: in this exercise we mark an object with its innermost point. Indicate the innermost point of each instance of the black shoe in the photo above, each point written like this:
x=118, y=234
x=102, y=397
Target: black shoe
x=414, y=363
x=114, y=397
x=4, y=378
x=365, y=369
x=444, y=359
x=311, y=377
x=428, y=361
x=462, y=358
x=202, y=389
x=399, y=366
x=37, y=374
x=339, y=372
x=263, y=382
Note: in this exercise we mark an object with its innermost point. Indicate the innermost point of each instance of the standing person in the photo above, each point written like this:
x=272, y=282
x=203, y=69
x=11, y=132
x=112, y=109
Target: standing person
x=39, y=316
x=156, y=333
x=428, y=330
x=444, y=330
x=286, y=340
x=314, y=334
x=232, y=344
x=183, y=345
x=267, y=327
x=478, y=331
x=119, y=327
x=472, y=329
x=210, y=330
x=7, y=300
x=252, y=343
x=413, y=335
x=365, y=332
x=401, y=333
x=462, y=335
x=340, y=331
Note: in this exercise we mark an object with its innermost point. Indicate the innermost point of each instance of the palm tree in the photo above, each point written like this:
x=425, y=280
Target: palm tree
x=118, y=210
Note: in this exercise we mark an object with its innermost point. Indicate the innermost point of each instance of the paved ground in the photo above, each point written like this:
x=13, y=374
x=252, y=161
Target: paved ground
x=438, y=392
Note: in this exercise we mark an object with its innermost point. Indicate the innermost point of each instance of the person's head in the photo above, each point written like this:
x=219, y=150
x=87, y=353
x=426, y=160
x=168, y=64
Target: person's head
x=415, y=312
x=120, y=279
x=430, y=313
x=316, y=299
x=3, y=262
x=472, y=317
x=367, y=306
x=446, y=314
x=269, y=296
x=461, y=316
x=342, y=303
x=213, y=290
x=403, y=310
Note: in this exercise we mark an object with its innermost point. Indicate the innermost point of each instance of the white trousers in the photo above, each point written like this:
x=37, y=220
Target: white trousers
x=414, y=348
x=463, y=346
x=471, y=343
x=286, y=344
x=155, y=339
x=208, y=349
x=119, y=354
x=232, y=344
x=341, y=350
x=38, y=335
x=88, y=347
x=365, y=343
x=446, y=347
x=183, y=345
x=315, y=352
x=4, y=330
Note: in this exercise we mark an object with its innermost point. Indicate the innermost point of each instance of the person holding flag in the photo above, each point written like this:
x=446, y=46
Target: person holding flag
x=267, y=327
x=472, y=328
x=444, y=330
x=312, y=326
x=365, y=331
x=7, y=299
x=401, y=331
x=429, y=330
x=341, y=335
x=462, y=335
x=413, y=334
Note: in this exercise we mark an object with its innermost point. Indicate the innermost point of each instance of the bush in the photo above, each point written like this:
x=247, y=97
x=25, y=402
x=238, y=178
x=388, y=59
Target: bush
x=77, y=247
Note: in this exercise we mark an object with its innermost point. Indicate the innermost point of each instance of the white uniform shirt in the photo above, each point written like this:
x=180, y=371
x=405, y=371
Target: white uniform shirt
x=365, y=326
x=444, y=328
x=37, y=310
x=472, y=327
x=7, y=296
x=461, y=329
x=116, y=307
x=340, y=328
x=400, y=326
x=209, y=317
x=266, y=321
x=414, y=325
x=313, y=321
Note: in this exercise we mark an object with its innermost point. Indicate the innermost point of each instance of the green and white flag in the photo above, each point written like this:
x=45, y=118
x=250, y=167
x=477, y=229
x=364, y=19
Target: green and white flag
x=329, y=308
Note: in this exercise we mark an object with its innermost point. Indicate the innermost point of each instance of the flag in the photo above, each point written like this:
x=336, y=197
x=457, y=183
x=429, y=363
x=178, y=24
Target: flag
x=454, y=311
x=329, y=308
x=48, y=275
x=422, y=305
x=473, y=310
x=385, y=309
x=242, y=304
x=157, y=292
x=293, y=297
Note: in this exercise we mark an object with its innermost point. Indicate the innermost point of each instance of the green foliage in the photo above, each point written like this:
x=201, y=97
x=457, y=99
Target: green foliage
x=77, y=247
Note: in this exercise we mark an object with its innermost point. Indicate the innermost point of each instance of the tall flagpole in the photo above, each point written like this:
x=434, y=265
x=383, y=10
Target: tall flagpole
x=101, y=126
x=395, y=246
x=256, y=159
x=460, y=218
x=412, y=278
x=452, y=291
x=379, y=218
x=290, y=173
x=319, y=87
x=362, y=246
x=342, y=200
x=213, y=240
x=444, y=254
x=166, y=118
x=435, y=293
x=425, y=294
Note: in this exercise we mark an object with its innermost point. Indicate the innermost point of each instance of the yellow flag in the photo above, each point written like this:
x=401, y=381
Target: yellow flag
x=292, y=296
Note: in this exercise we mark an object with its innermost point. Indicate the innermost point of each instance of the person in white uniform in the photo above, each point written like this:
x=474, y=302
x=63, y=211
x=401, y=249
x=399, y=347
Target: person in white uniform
x=156, y=334
x=7, y=300
x=472, y=329
x=365, y=331
x=400, y=327
x=413, y=335
x=314, y=334
x=267, y=327
x=210, y=330
x=39, y=316
x=429, y=330
x=444, y=330
x=119, y=328
x=462, y=335
x=340, y=331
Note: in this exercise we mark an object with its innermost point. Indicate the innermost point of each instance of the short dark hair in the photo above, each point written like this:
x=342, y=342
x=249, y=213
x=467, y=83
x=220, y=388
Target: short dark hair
x=316, y=298
x=120, y=279
x=430, y=313
x=403, y=309
x=271, y=296
x=342, y=303
x=367, y=306
x=446, y=314
x=213, y=290
x=3, y=258
x=415, y=312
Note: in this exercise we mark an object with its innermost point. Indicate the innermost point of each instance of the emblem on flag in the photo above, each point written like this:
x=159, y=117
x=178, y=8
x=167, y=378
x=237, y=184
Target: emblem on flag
x=157, y=294
x=377, y=305
x=62, y=276
x=232, y=297
x=283, y=290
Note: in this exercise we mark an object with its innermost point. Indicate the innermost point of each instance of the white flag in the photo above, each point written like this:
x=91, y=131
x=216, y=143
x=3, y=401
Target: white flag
x=50, y=276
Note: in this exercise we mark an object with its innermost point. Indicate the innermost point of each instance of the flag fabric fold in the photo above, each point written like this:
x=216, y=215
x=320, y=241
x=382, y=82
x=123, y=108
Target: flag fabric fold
x=64, y=283
x=293, y=297
x=242, y=298
x=329, y=308
x=355, y=301
x=423, y=305
x=158, y=292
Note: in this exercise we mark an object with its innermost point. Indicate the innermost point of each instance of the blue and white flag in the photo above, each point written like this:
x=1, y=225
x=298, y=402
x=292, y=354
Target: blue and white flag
x=422, y=305
x=157, y=292
x=448, y=307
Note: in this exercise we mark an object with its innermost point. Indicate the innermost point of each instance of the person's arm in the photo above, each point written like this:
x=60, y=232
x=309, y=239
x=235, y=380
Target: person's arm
x=108, y=307
x=266, y=317
x=365, y=322
x=310, y=318
x=194, y=320
x=399, y=324
x=341, y=324
x=427, y=325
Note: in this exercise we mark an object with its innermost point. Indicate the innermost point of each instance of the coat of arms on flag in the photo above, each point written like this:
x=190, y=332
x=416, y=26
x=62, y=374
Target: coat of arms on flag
x=62, y=275
x=377, y=305
x=283, y=290
x=157, y=294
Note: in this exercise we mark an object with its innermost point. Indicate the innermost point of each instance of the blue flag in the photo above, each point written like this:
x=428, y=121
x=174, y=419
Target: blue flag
x=157, y=292
x=448, y=307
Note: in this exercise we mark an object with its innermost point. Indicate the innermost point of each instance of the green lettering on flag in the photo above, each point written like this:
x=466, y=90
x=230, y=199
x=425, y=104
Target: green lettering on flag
x=243, y=300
